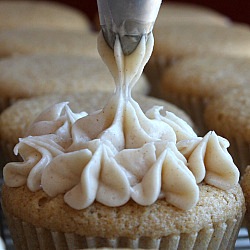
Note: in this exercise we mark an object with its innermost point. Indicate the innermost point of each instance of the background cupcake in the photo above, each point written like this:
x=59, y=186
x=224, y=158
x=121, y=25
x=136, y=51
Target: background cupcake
x=34, y=75
x=204, y=227
x=171, y=15
x=47, y=41
x=175, y=41
x=229, y=116
x=41, y=14
x=193, y=81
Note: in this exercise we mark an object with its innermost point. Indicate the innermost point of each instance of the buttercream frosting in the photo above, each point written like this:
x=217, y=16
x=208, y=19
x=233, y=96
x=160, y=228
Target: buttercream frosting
x=119, y=153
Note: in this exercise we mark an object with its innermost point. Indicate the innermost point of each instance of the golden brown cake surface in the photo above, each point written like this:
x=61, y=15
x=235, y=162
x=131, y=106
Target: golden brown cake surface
x=47, y=14
x=206, y=77
x=180, y=40
x=188, y=13
x=130, y=220
x=47, y=41
x=229, y=114
x=34, y=75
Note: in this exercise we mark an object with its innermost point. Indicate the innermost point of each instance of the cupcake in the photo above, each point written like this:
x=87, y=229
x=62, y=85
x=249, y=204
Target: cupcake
x=41, y=14
x=193, y=81
x=47, y=41
x=33, y=75
x=121, y=177
x=229, y=116
x=177, y=41
x=245, y=184
x=174, y=12
x=16, y=119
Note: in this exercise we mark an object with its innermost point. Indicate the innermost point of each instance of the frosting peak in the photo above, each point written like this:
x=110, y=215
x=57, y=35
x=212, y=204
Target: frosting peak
x=119, y=153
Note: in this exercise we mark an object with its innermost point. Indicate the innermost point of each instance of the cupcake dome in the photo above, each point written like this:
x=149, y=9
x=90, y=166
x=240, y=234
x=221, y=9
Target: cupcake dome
x=174, y=12
x=41, y=14
x=175, y=41
x=193, y=81
x=47, y=41
x=34, y=75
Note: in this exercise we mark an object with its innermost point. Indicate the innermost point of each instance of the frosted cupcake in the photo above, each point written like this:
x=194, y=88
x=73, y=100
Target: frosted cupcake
x=41, y=14
x=15, y=120
x=108, y=179
x=47, y=41
x=229, y=116
x=193, y=81
x=34, y=75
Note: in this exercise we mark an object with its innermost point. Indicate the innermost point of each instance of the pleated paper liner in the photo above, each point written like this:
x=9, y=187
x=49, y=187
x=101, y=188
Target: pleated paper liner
x=220, y=235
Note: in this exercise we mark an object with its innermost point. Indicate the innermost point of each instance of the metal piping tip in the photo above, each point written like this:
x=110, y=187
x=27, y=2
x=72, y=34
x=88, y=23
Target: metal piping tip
x=129, y=19
x=128, y=42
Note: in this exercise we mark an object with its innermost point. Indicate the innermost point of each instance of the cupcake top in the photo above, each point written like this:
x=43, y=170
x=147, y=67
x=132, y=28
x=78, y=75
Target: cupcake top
x=119, y=153
x=15, y=120
x=33, y=75
x=174, y=12
x=207, y=76
x=177, y=40
x=47, y=41
x=40, y=14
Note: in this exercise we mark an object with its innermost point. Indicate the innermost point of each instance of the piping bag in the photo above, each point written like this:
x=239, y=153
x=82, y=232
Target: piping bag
x=128, y=19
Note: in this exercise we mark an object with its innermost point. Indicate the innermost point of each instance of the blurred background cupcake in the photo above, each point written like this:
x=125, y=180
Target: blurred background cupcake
x=171, y=15
x=33, y=75
x=41, y=14
x=193, y=81
x=229, y=116
x=174, y=42
x=47, y=41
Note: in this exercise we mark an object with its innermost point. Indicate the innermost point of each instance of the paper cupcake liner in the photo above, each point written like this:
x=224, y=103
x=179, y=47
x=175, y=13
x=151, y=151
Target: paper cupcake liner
x=220, y=235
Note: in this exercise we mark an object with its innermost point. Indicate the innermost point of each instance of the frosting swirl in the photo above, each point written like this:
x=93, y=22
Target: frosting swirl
x=119, y=153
